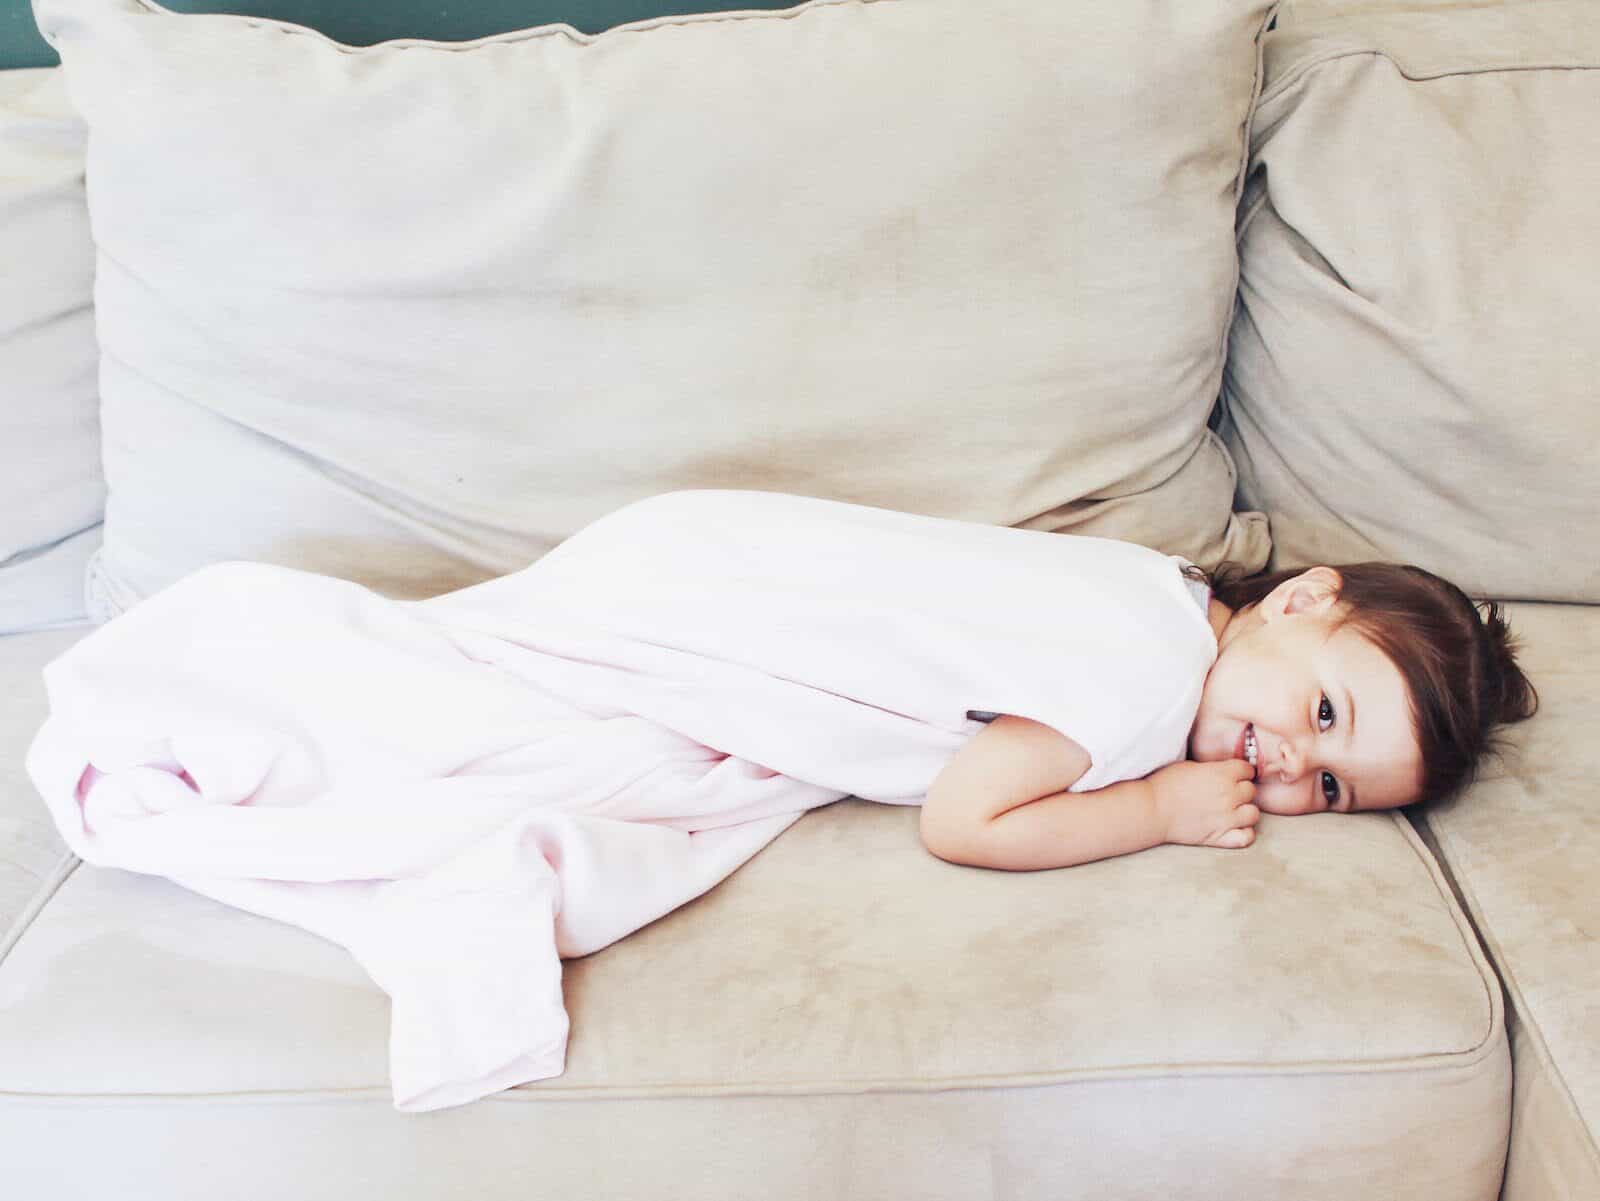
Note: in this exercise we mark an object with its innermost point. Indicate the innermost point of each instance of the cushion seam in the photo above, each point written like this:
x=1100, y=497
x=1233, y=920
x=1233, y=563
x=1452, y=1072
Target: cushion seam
x=512, y=37
x=689, y=1090
x=1488, y=978
x=63, y=867
x=1295, y=73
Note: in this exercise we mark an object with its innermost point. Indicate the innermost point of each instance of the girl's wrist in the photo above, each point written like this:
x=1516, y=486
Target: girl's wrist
x=1161, y=801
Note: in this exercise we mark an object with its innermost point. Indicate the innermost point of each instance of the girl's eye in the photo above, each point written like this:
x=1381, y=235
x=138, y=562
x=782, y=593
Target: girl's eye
x=1324, y=713
x=1330, y=788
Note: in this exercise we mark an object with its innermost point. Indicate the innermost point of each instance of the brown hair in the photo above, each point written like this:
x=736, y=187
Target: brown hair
x=1456, y=655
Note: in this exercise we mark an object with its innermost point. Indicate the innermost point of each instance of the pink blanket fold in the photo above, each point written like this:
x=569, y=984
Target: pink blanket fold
x=461, y=791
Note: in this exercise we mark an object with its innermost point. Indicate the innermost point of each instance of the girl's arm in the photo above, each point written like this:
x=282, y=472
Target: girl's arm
x=1002, y=802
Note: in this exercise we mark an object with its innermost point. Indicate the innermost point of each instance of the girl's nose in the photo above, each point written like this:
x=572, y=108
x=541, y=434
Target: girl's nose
x=1291, y=760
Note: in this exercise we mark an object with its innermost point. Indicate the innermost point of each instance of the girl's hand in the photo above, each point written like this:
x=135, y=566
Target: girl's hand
x=1207, y=804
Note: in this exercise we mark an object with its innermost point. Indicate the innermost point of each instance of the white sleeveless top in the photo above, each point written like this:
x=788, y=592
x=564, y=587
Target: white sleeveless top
x=783, y=608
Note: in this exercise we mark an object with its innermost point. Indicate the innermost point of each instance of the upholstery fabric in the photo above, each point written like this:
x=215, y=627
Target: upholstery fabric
x=52, y=494
x=1522, y=846
x=411, y=314
x=1412, y=365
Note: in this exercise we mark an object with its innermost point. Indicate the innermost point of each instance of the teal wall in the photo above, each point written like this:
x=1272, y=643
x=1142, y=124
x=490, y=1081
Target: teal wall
x=363, y=22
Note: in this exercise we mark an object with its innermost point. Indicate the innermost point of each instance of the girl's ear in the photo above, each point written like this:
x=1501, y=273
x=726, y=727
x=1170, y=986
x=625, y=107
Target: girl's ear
x=1313, y=591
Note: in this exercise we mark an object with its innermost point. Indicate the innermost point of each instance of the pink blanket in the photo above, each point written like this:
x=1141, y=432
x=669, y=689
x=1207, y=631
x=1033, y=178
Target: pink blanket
x=465, y=789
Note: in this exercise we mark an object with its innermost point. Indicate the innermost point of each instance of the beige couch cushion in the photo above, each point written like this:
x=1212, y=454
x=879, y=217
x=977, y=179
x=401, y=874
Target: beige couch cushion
x=846, y=1016
x=412, y=313
x=52, y=494
x=1413, y=362
x=1522, y=847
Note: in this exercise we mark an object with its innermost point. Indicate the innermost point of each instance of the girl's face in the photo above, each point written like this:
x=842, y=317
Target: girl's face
x=1319, y=709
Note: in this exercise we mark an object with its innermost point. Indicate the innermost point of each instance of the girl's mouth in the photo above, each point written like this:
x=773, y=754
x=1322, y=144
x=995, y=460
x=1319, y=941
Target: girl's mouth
x=1251, y=751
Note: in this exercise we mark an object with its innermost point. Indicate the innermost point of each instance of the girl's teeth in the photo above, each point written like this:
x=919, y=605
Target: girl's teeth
x=1250, y=745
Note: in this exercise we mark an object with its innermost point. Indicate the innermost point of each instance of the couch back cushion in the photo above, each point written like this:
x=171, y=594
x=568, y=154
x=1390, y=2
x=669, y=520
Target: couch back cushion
x=1413, y=365
x=51, y=491
x=412, y=314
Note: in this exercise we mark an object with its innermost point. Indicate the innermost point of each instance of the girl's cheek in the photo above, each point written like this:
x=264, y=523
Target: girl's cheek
x=1272, y=797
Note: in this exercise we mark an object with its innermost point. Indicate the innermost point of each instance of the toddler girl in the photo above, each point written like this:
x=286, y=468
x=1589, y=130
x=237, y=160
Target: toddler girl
x=464, y=790
x=1340, y=690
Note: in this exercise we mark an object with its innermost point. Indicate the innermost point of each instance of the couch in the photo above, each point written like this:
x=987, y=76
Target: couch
x=1265, y=284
